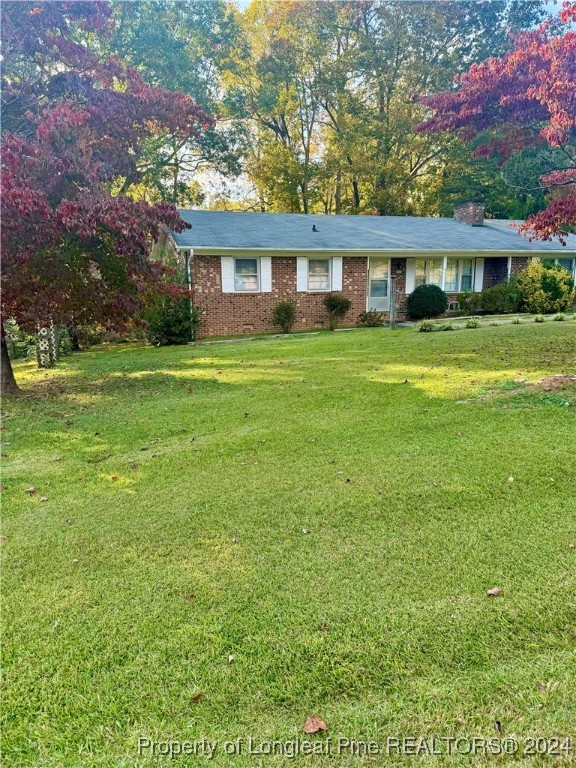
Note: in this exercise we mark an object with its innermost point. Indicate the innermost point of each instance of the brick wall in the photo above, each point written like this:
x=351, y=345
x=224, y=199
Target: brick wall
x=226, y=314
x=495, y=271
x=518, y=264
x=229, y=314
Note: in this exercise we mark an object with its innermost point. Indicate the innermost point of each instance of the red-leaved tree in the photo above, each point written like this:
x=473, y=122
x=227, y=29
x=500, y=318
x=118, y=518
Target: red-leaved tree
x=524, y=99
x=72, y=125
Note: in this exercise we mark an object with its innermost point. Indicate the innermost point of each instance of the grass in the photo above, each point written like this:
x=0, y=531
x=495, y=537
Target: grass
x=180, y=482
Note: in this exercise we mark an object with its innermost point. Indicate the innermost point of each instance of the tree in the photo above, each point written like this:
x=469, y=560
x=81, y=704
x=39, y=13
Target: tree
x=524, y=100
x=327, y=90
x=194, y=38
x=73, y=125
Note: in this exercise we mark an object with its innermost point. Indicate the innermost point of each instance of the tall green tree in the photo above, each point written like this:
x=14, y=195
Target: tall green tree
x=328, y=91
x=183, y=46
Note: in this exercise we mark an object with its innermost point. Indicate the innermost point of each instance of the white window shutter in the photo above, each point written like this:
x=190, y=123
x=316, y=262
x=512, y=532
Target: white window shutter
x=337, y=273
x=301, y=273
x=479, y=275
x=266, y=274
x=227, y=267
x=410, y=275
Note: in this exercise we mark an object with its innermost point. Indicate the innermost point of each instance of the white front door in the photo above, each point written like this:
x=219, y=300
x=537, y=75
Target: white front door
x=378, y=285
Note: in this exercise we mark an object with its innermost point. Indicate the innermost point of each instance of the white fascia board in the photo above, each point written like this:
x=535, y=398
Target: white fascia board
x=394, y=253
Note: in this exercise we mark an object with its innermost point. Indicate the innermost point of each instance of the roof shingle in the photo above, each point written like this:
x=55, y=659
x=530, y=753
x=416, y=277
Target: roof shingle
x=292, y=231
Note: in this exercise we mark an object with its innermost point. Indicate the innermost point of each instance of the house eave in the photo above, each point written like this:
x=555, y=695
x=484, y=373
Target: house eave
x=361, y=252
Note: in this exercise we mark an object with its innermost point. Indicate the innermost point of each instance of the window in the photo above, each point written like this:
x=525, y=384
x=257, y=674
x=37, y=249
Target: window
x=566, y=264
x=378, y=279
x=466, y=274
x=428, y=272
x=459, y=274
x=318, y=274
x=246, y=274
x=451, y=277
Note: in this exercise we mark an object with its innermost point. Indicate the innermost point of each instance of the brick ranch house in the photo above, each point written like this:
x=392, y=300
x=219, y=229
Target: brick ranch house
x=242, y=264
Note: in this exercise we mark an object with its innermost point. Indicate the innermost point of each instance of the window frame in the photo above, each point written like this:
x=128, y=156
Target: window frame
x=567, y=258
x=319, y=290
x=459, y=275
x=427, y=271
x=258, y=275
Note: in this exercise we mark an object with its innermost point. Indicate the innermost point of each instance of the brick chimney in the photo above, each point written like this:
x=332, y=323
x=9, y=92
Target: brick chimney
x=471, y=213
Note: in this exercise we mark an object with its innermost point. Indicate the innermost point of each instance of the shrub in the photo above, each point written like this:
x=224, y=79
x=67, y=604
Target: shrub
x=284, y=314
x=447, y=327
x=171, y=321
x=500, y=299
x=470, y=303
x=559, y=317
x=83, y=336
x=426, y=326
x=427, y=301
x=472, y=322
x=21, y=344
x=545, y=288
x=539, y=319
x=516, y=321
x=372, y=318
x=337, y=306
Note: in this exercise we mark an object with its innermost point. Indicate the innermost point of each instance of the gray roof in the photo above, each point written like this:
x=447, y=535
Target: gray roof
x=293, y=231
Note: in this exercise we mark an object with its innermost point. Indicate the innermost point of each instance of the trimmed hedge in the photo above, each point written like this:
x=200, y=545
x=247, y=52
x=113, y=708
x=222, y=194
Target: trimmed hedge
x=427, y=301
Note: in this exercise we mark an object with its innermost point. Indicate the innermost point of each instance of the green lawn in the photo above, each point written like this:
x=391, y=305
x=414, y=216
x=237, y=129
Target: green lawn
x=329, y=510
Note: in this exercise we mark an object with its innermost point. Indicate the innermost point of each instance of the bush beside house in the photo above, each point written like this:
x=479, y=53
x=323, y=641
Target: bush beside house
x=284, y=315
x=427, y=301
x=337, y=306
x=171, y=321
x=539, y=288
x=545, y=288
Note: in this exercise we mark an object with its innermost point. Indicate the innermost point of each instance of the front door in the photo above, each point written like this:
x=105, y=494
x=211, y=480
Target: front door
x=378, y=285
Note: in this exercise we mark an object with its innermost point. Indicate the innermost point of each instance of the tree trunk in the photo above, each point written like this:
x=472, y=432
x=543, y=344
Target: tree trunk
x=338, y=193
x=8, y=383
x=356, y=192
x=74, y=340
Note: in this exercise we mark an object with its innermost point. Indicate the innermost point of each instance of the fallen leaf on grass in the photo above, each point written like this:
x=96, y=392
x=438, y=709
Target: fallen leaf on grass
x=2, y=538
x=31, y=490
x=510, y=479
x=191, y=596
x=114, y=477
x=498, y=726
x=43, y=498
x=133, y=465
x=314, y=725
x=494, y=592
x=198, y=696
x=541, y=687
x=231, y=658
